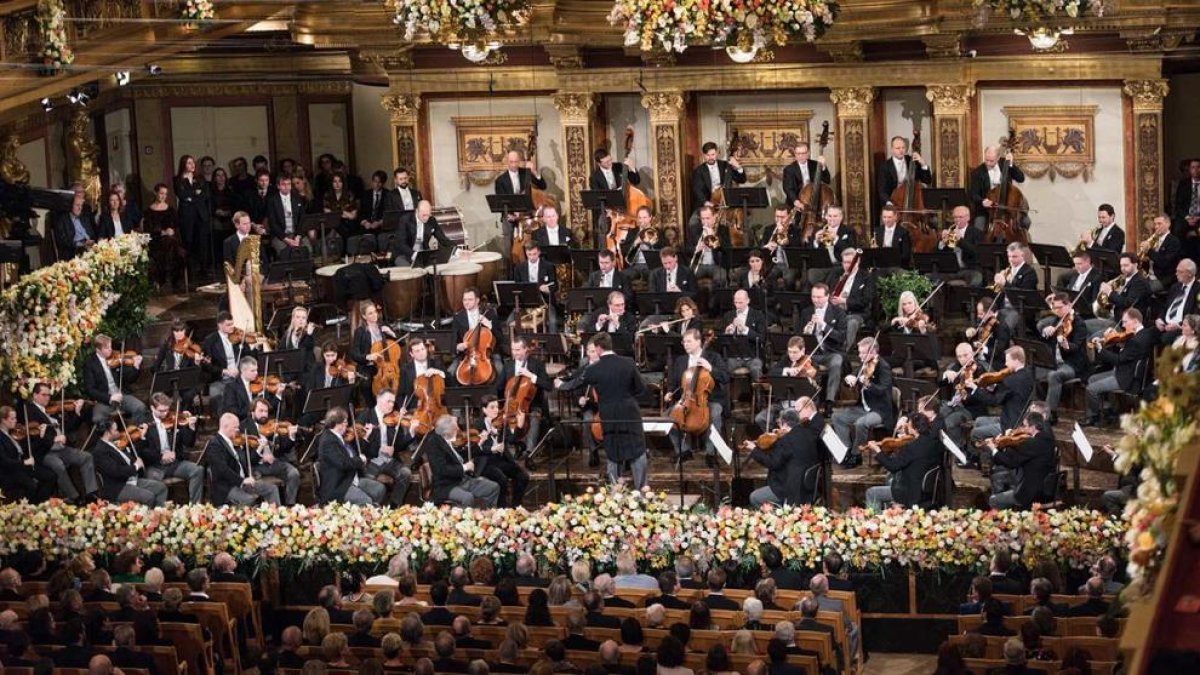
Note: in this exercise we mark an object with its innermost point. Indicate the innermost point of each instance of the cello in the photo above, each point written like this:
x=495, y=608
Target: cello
x=429, y=390
x=476, y=365
x=523, y=229
x=519, y=393
x=1007, y=209
x=387, y=366
x=817, y=194
x=909, y=200
x=691, y=414
x=733, y=218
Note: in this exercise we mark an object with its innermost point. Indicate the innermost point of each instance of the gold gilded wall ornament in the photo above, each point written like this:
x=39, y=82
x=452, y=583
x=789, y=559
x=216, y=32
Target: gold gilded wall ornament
x=482, y=142
x=1054, y=140
x=766, y=139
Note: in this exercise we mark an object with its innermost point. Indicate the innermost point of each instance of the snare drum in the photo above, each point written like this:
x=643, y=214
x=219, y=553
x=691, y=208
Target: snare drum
x=452, y=279
x=492, y=268
x=402, y=294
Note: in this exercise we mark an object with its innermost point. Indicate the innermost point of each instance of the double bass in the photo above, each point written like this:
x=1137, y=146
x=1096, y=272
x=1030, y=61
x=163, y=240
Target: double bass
x=620, y=224
x=523, y=229
x=817, y=194
x=734, y=218
x=909, y=200
x=1007, y=209
x=691, y=414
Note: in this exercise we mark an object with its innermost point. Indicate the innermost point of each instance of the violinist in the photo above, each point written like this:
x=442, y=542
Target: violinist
x=491, y=460
x=51, y=449
x=793, y=364
x=340, y=464
x=983, y=333
x=671, y=277
x=21, y=475
x=796, y=450
x=963, y=239
x=1083, y=279
x=853, y=290
x=800, y=173
x=873, y=385
x=329, y=372
x=419, y=362
x=894, y=170
x=223, y=356
x=746, y=322
x=775, y=239
x=987, y=176
x=822, y=319
x=299, y=335
x=613, y=318
x=522, y=364
x=618, y=385
x=1018, y=275
x=908, y=465
x=124, y=473
x=607, y=276
x=647, y=238
x=1181, y=301
x=162, y=449
x=696, y=355
x=1130, y=358
x=369, y=332
x=1011, y=394
x=455, y=479
x=890, y=234
x=273, y=455
x=471, y=316
x=910, y=319
x=107, y=378
x=176, y=352
x=1026, y=465
x=1068, y=337
x=541, y=272
x=232, y=467
x=238, y=394
x=961, y=407
x=383, y=443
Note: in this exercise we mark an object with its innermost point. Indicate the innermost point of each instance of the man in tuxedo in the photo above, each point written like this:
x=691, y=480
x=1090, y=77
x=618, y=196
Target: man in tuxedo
x=713, y=173
x=1084, y=280
x=963, y=240
x=53, y=456
x=237, y=396
x=1110, y=236
x=751, y=324
x=268, y=460
x=618, y=385
x=1185, y=214
x=825, y=320
x=608, y=276
x=696, y=357
x=405, y=195
x=894, y=170
x=162, y=449
x=908, y=465
x=221, y=359
x=1012, y=395
x=800, y=173
x=852, y=290
x=374, y=203
x=1025, y=467
x=242, y=227
x=1134, y=293
x=522, y=363
x=890, y=234
x=706, y=261
x=256, y=201
x=541, y=272
x=635, y=244
x=22, y=472
x=987, y=176
x=416, y=235
x=1019, y=275
x=123, y=471
x=1070, y=351
x=551, y=233
x=74, y=230
x=340, y=466
x=874, y=407
x=1167, y=250
x=493, y=460
x=518, y=177
x=843, y=238
x=788, y=461
x=419, y=362
x=285, y=209
x=383, y=443
x=108, y=385
x=1130, y=361
x=1181, y=301
x=232, y=469
x=958, y=410
x=454, y=480
x=672, y=277
x=612, y=318
x=668, y=589
x=609, y=176
x=472, y=315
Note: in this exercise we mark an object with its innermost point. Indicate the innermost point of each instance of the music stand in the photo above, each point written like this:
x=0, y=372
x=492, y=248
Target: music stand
x=1038, y=353
x=175, y=381
x=740, y=256
x=936, y=262
x=1051, y=255
x=470, y=396
x=804, y=258
x=881, y=258
x=653, y=258
x=584, y=259
x=778, y=342
x=587, y=299
x=797, y=301
x=721, y=299
x=443, y=340
x=286, y=361
x=517, y=295
x=599, y=200
x=913, y=390
x=509, y=204
x=1025, y=299
x=556, y=255
x=992, y=257
x=294, y=269
x=1108, y=262
x=915, y=346
x=667, y=345
x=789, y=388
x=322, y=222
x=320, y=401
x=746, y=198
x=944, y=200
x=736, y=346
x=650, y=304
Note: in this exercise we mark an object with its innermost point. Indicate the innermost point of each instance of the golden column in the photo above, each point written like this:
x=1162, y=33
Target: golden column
x=1147, y=96
x=853, y=106
x=951, y=104
x=574, y=110
x=666, y=113
x=404, y=110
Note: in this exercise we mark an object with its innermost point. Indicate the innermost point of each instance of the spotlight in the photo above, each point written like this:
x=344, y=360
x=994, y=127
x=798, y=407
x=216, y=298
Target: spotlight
x=47, y=104
x=153, y=69
x=122, y=77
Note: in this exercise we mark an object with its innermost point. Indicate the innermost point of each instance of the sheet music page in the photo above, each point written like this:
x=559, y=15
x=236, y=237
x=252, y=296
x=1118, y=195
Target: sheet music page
x=836, y=447
x=954, y=449
x=1082, y=443
x=722, y=447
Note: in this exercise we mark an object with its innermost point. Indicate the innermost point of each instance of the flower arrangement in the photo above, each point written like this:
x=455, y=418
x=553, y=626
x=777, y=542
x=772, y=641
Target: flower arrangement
x=673, y=25
x=197, y=11
x=457, y=20
x=1155, y=435
x=51, y=21
x=596, y=525
x=1040, y=11
x=48, y=315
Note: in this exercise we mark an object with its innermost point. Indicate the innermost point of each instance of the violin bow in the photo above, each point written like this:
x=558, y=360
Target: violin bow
x=28, y=434
x=121, y=368
x=863, y=368
x=175, y=437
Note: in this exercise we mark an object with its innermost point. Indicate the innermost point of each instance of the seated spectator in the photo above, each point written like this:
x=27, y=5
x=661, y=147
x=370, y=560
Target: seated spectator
x=715, y=598
x=526, y=572
x=461, y=629
x=406, y=586
x=685, y=571
x=518, y=633
x=10, y=585
x=646, y=664
x=1031, y=637
x=412, y=631
x=627, y=574
x=152, y=584
x=315, y=626
x=506, y=592
x=717, y=662
x=482, y=571
x=633, y=639
x=1077, y=658
x=581, y=575
x=126, y=656
x=1106, y=568
x=819, y=585
x=42, y=628
x=1095, y=605
x=993, y=620
x=335, y=651
x=975, y=646
x=20, y=652
x=981, y=592
x=1014, y=658
x=225, y=570
x=397, y=567
x=459, y=597
x=950, y=661
x=147, y=631
x=364, y=621
x=743, y=642
x=575, y=640
x=834, y=568
x=198, y=583
x=393, y=652
x=808, y=609
x=489, y=611
x=171, y=608
x=475, y=667
x=75, y=653
x=102, y=590
x=537, y=612
x=668, y=593
x=173, y=568
x=438, y=615
x=1041, y=588
x=130, y=601
x=1044, y=619
x=610, y=660
x=560, y=593
x=753, y=609
x=556, y=656
x=443, y=647
x=507, y=659
x=423, y=666
x=773, y=567
x=1108, y=626
x=593, y=603
x=681, y=632
x=700, y=617
x=354, y=590
x=330, y=598
x=777, y=653
x=97, y=627
x=656, y=616
x=127, y=567
x=785, y=632
x=70, y=606
x=607, y=588
x=766, y=591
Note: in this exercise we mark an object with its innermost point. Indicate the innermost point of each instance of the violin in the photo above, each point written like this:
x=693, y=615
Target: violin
x=912, y=321
x=965, y=375
x=342, y=369
x=806, y=368
x=475, y=368
x=984, y=332
x=131, y=436
x=1065, y=327
x=250, y=339
x=184, y=419
x=23, y=431
x=189, y=349
x=767, y=440
x=241, y=440
x=280, y=428
x=126, y=359
x=1010, y=439
x=519, y=393
x=904, y=435
x=994, y=377
x=272, y=384
x=58, y=407
x=1113, y=337
x=691, y=414
x=867, y=372
x=467, y=436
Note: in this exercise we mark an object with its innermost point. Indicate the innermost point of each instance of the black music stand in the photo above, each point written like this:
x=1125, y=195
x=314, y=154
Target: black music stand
x=585, y=260
x=1038, y=353
x=944, y=200
x=746, y=198
x=293, y=269
x=391, y=221
x=913, y=390
x=721, y=299
x=740, y=256
x=322, y=400
x=792, y=303
x=804, y=259
x=556, y=255
x=1108, y=262
x=175, y=381
x=653, y=258
x=881, y=258
x=650, y=304
x=1025, y=299
x=587, y=299
x=992, y=257
x=288, y=361
x=667, y=345
x=443, y=340
x=622, y=342
x=505, y=205
x=736, y=346
x=789, y=388
x=910, y=347
x=517, y=295
x=1051, y=255
x=936, y=262
x=322, y=222
x=599, y=200
x=778, y=342
x=468, y=397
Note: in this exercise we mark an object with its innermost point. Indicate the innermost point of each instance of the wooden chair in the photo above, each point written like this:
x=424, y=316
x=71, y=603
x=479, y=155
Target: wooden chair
x=215, y=617
x=242, y=605
x=166, y=659
x=741, y=662
x=189, y=639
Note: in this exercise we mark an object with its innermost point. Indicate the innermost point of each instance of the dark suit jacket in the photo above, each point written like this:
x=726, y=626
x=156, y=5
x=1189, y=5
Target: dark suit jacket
x=461, y=597
x=125, y=657
x=702, y=186
x=1115, y=241
x=363, y=640
x=788, y=579
x=438, y=616
x=835, y=324
x=1189, y=303
x=688, y=252
x=64, y=232
x=909, y=465
x=257, y=206
x=878, y=393
x=462, y=324
x=445, y=465
x=620, y=282
x=544, y=382
x=668, y=601
x=95, y=384
x=1165, y=257
x=618, y=385
x=862, y=293
x=115, y=467
x=228, y=472
x=338, y=467
x=969, y=246
x=1075, y=353
x=235, y=399
x=544, y=274
x=1090, y=607
x=1036, y=458
x=406, y=393
x=106, y=228
x=627, y=324
x=888, y=180
x=1012, y=395
x=1132, y=362
x=597, y=182
x=980, y=184
x=900, y=240
x=1091, y=286
x=503, y=184
x=785, y=668
x=406, y=237
x=578, y=642
x=599, y=620
x=565, y=237
x=787, y=462
x=793, y=180
x=397, y=202
x=720, y=376
x=1135, y=293
x=150, y=449
x=276, y=221
x=684, y=279
x=1057, y=608
x=72, y=656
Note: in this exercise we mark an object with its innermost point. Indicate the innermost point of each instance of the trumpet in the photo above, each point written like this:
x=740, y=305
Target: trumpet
x=948, y=238
x=996, y=287
x=827, y=237
x=1102, y=305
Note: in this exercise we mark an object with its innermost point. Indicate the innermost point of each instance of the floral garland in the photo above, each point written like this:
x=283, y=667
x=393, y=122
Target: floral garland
x=48, y=315
x=458, y=19
x=1155, y=436
x=1039, y=11
x=51, y=21
x=674, y=24
x=596, y=525
x=195, y=11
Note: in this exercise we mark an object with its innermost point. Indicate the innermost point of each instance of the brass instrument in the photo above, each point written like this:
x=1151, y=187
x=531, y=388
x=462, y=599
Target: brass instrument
x=948, y=238
x=1082, y=247
x=780, y=237
x=649, y=235
x=827, y=237
x=1102, y=305
x=1143, y=252
x=996, y=288
x=712, y=241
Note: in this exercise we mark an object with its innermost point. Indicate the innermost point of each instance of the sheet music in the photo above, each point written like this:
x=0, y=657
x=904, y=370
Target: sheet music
x=954, y=449
x=659, y=428
x=721, y=446
x=836, y=447
x=1081, y=443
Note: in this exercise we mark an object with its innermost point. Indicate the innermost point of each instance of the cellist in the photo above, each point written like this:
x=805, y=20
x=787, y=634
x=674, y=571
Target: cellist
x=696, y=356
x=490, y=456
x=987, y=176
x=419, y=362
x=370, y=332
x=470, y=317
x=523, y=365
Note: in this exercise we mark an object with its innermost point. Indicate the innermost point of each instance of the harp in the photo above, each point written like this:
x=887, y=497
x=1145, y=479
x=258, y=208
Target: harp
x=243, y=283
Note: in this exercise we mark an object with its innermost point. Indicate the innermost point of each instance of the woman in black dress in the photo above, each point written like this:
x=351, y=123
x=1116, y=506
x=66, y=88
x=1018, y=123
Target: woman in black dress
x=168, y=257
x=223, y=204
x=195, y=212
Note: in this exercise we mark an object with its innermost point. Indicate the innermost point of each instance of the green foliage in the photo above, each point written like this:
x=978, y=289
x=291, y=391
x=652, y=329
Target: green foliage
x=893, y=285
x=127, y=316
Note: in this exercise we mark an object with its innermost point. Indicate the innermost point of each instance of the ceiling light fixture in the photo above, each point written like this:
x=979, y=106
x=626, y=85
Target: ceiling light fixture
x=122, y=78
